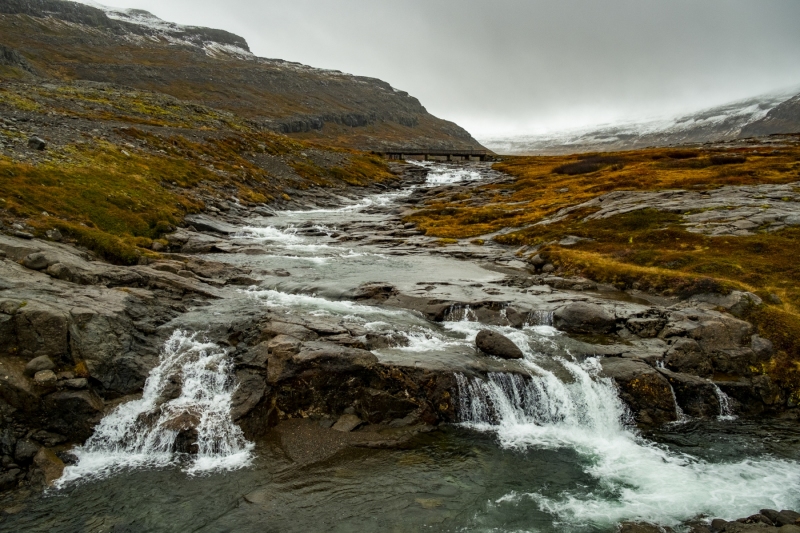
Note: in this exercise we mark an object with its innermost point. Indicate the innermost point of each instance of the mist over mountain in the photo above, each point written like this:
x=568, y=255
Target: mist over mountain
x=767, y=114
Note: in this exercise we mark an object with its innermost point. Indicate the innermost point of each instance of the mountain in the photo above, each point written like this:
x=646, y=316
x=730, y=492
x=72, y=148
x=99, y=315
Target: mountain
x=783, y=118
x=758, y=116
x=69, y=41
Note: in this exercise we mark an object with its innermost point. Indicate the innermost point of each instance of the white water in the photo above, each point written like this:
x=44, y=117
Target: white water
x=138, y=433
x=725, y=408
x=635, y=479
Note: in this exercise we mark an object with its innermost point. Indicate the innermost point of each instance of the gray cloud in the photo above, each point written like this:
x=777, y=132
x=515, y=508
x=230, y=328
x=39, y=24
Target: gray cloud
x=510, y=66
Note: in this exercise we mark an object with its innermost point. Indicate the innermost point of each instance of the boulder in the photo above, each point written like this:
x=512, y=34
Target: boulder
x=37, y=261
x=737, y=303
x=281, y=349
x=643, y=389
x=378, y=405
x=37, y=364
x=51, y=466
x=250, y=390
x=347, y=423
x=721, y=333
x=696, y=396
x=25, y=451
x=762, y=348
x=73, y=413
x=582, y=317
x=36, y=143
x=493, y=343
x=686, y=356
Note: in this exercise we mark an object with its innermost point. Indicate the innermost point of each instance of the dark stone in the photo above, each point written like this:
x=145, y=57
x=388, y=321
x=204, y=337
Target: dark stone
x=35, y=143
x=249, y=391
x=8, y=480
x=695, y=396
x=493, y=343
x=206, y=223
x=762, y=348
x=73, y=413
x=377, y=406
x=582, y=317
x=685, y=355
x=645, y=391
x=647, y=327
x=25, y=450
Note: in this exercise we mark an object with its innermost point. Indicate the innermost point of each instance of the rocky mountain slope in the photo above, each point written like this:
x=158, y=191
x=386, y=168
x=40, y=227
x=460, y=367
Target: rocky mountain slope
x=69, y=41
x=754, y=117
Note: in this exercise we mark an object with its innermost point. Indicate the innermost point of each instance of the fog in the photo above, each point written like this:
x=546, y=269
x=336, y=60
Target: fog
x=527, y=66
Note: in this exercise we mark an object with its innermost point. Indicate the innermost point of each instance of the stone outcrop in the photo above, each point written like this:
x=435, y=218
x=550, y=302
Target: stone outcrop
x=493, y=343
x=582, y=317
x=645, y=390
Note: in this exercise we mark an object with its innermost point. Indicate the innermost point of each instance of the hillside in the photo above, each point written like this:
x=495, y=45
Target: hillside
x=753, y=117
x=70, y=41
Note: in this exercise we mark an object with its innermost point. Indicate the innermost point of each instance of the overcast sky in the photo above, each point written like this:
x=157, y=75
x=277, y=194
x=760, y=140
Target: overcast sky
x=527, y=66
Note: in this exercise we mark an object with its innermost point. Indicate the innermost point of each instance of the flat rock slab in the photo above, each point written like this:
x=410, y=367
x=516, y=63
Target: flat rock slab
x=206, y=223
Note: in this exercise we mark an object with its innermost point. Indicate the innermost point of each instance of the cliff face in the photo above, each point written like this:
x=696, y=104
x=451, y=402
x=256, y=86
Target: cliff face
x=784, y=118
x=215, y=68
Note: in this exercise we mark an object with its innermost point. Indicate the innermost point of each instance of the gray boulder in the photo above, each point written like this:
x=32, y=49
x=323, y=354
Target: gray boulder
x=37, y=364
x=582, y=317
x=685, y=355
x=493, y=343
x=695, y=396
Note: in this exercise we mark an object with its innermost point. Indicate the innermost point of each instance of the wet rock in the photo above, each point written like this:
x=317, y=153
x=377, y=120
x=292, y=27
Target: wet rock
x=255, y=356
x=297, y=331
x=8, y=480
x=646, y=392
x=25, y=450
x=347, y=423
x=582, y=317
x=73, y=413
x=37, y=364
x=47, y=438
x=249, y=391
x=549, y=267
x=281, y=350
x=206, y=223
x=642, y=527
x=685, y=355
x=377, y=406
x=537, y=261
x=45, y=378
x=695, y=396
x=50, y=464
x=186, y=425
x=493, y=343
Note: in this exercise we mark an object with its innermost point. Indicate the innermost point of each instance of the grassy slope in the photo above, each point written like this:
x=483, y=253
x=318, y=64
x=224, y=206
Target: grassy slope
x=649, y=250
x=115, y=193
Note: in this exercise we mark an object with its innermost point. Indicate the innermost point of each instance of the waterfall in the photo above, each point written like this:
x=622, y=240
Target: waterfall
x=632, y=478
x=186, y=402
x=725, y=408
x=540, y=318
x=680, y=416
x=460, y=313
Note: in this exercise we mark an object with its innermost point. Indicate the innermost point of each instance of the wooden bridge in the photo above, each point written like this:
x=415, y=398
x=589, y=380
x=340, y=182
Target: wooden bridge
x=422, y=154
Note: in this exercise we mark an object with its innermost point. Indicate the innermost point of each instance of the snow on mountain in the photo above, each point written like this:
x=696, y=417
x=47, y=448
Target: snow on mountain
x=719, y=123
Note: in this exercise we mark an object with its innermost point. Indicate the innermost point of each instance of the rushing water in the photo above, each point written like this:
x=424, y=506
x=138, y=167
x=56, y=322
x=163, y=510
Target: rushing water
x=549, y=451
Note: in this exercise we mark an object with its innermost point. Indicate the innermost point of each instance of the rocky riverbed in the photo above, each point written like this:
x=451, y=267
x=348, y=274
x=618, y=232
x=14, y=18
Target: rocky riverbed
x=336, y=327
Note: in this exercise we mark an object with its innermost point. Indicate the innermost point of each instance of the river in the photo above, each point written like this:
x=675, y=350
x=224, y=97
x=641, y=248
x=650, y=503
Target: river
x=554, y=452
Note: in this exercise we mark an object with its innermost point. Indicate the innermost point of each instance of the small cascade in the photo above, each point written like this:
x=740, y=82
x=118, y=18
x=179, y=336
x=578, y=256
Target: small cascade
x=680, y=416
x=632, y=477
x=725, y=408
x=460, y=313
x=185, y=407
x=540, y=318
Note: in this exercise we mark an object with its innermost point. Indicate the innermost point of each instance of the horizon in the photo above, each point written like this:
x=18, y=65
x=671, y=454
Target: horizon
x=711, y=66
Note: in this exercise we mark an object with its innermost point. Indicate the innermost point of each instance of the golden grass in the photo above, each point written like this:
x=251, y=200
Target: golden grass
x=646, y=249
